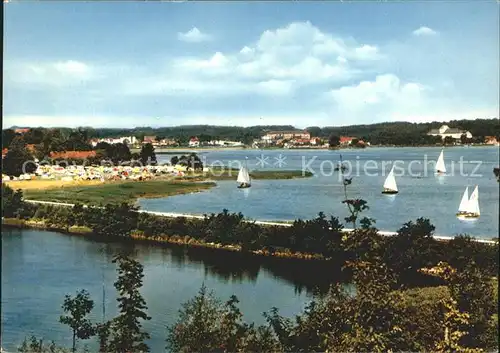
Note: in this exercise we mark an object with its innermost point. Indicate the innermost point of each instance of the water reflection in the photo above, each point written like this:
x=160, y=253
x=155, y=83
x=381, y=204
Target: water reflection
x=230, y=267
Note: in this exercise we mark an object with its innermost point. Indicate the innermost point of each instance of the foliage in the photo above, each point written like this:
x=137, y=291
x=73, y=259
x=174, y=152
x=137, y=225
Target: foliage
x=18, y=159
x=35, y=345
x=78, y=308
x=334, y=140
x=206, y=324
x=12, y=201
x=127, y=334
x=147, y=154
x=412, y=248
x=116, y=153
x=190, y=161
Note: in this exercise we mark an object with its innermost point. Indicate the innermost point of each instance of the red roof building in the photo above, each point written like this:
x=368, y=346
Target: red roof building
x=72, y=154
x=346, y=140
x=21, y=130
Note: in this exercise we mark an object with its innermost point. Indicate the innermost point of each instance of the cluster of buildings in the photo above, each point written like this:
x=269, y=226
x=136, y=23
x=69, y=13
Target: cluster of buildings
x=289, y=139
x=195, y=142
x=445, y=131
x=127, y=140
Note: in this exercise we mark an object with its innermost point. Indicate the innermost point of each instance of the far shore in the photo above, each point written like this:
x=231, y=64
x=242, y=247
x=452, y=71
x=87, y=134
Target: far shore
x=187, y=150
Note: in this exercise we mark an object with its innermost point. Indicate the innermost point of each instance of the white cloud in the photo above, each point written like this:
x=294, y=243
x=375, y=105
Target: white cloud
x=194, y=35
x=383, y=97
x=424, y=31
x=60, y=73
x=298, y=52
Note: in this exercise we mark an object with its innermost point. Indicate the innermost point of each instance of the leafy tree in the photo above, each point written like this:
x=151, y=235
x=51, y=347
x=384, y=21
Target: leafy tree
x=448, y=140
x=78, y=308
x=205, y=324
x=174, y=160
x=12, y=201
x=411, y=249
x=127, y=334
x=333, y=140
x=114, y=220
x=314, y=131
x=18, y=159
x=34, y=345
x=7, y=136
x=147, y=154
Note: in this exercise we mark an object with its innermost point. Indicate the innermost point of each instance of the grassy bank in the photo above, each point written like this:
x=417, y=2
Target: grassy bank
x=232, y=174
x=115, y=192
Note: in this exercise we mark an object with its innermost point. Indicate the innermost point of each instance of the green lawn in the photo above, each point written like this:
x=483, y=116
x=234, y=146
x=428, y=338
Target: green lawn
x=126, y=191
x=232, y=174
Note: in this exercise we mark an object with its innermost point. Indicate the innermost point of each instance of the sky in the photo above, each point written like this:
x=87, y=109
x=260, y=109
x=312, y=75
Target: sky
x=133, y=64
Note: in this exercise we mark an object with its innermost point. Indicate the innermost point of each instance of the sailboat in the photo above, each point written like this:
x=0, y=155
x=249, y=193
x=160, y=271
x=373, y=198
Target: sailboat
x=440, y=167
x=470, y=210
x=243, y=178
x=390, y=186
x=462, y=208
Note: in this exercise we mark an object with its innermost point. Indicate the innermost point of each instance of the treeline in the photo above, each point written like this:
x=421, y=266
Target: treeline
x=412, y=248
x=389, y=133
x=405, y=133
x=379, y=314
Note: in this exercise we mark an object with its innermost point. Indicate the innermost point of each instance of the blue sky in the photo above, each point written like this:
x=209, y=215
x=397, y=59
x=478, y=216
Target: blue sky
x=128, y=64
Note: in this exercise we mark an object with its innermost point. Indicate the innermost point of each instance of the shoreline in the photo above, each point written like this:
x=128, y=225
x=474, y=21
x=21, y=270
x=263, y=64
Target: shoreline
x=188, y=150
x=181, y=240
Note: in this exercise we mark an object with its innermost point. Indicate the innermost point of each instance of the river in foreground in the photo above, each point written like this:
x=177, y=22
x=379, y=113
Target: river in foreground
x=40, y=267
x=421, y=193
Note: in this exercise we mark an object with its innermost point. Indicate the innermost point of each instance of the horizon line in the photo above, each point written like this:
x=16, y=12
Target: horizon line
x=245, y=127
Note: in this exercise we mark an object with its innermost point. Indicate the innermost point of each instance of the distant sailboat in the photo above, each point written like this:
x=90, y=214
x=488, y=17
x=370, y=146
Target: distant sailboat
x=390, y=186
x=243, y=178
x=440, y=167
x=469, y=209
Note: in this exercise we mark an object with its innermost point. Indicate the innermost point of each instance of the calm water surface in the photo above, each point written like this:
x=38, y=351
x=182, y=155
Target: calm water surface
x=421, y=193
x=40, y=267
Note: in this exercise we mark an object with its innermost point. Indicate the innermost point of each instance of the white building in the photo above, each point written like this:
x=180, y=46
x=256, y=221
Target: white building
x=194, y=142
x=445, y=131
x=128, y=140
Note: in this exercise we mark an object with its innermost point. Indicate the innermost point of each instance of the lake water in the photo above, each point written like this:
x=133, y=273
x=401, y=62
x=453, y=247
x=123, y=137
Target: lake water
x=40, y=267
x=421, y=192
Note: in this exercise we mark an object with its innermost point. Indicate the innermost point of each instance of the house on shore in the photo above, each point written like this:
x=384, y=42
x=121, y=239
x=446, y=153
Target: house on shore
x=346, y=140
x=194, y=142
x=446, y=131
x=491, y=140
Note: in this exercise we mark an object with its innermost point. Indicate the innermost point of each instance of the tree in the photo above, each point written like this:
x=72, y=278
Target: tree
x=174, y=160
x=12, y=201
x=115, y=220
x=314, y=131
x=147, y=154
x=78, y=308
x=126, y=329
x=411, y=249
x=463, y=139
x=448, y=140
x=205, y=324
x=7, y=137
x=333, y=140
x=18, y=159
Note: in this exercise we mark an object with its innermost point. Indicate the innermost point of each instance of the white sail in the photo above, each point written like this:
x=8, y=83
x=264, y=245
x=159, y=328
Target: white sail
x=440, y=167
x=465, y=201
x=473, y=204
x=390, y=181
x=243, y=176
